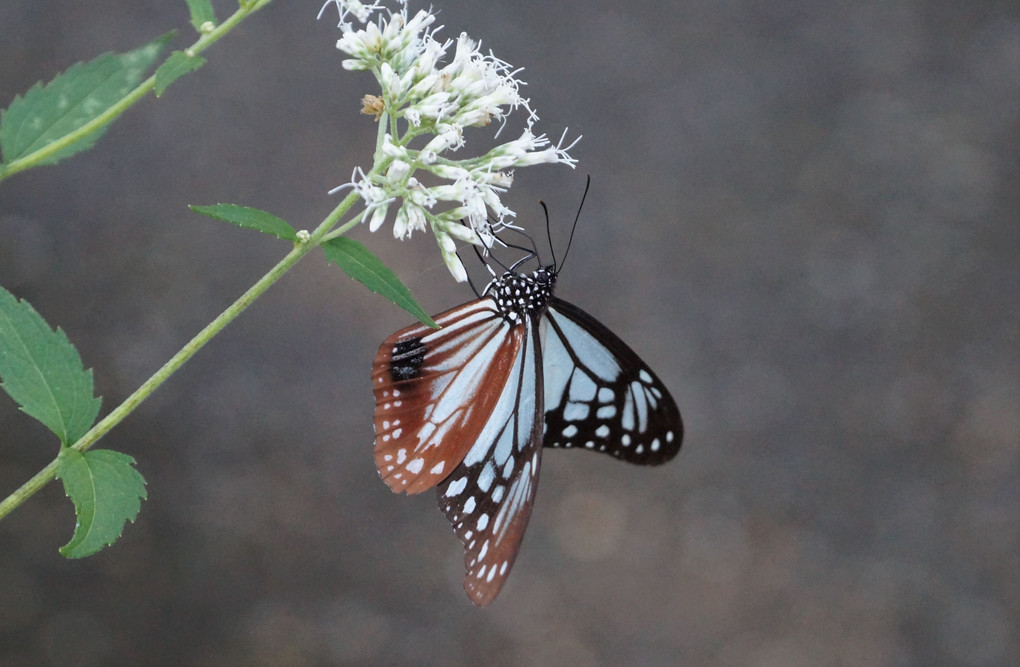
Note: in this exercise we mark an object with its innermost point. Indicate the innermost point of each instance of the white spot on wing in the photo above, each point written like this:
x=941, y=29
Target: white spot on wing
x=582, y=389
x=642, y=408
x=456, y=488
x=575, y=412
x=628, y=417
x=486, y=476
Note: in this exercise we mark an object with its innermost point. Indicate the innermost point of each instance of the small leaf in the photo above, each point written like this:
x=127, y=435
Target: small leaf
x=42, y=371
x=201, y=13
x=252, y=218
x=106, y=491
x=360, y=264
x=177, y=65
x=85, y=91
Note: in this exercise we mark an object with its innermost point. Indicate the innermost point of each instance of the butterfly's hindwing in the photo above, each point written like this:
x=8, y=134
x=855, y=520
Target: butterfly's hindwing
x=599, y=395
x=488, y=498
x=432, y=393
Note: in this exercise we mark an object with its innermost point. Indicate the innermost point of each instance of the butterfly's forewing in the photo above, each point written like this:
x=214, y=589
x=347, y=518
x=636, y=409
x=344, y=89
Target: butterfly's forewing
x=435, y=390
x=488, y=498
x=599, y=395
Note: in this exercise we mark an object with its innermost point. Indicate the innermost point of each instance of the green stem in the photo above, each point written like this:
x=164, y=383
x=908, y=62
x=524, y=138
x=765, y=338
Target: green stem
x=41, y=478
x=129, y=100
x=28, y=489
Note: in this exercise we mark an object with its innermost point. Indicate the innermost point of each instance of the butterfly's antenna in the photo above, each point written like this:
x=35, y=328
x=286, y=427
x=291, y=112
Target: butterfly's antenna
x=532, y=251
x=488, y=253
x=548, y=234
x=574, y=227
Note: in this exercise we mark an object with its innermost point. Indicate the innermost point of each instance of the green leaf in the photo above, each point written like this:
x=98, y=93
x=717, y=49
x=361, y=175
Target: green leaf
x=177, y=65
x=85, y=91
x=106, y=491
x=201, y=13
x=42, y=371
x=252, y=218
x=360, y=264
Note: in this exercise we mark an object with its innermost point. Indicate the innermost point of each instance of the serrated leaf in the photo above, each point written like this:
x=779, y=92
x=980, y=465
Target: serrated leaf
x=49, y=112
x=106, y=491
x=252, y=218
x=201, y=13
x=177, y=65
x=42, y=371
x=360, y=264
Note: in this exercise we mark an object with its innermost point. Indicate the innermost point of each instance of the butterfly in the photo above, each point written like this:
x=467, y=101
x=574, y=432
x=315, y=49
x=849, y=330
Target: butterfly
x=468, y=408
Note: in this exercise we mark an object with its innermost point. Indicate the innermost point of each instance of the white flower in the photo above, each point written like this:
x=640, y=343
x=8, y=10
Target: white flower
x=448, y=248
x=410, y=217
x=359, y=10
x=436, y=102
x=397, y=174
x=376, y=200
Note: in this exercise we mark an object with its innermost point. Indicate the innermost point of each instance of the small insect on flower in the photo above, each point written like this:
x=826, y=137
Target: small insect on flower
x=468, y=408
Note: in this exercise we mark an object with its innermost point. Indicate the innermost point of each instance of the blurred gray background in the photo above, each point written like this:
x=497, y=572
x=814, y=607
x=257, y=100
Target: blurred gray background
x=804, y=215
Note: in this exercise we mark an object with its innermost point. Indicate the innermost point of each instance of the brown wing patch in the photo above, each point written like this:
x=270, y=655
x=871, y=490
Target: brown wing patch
x=434, y=391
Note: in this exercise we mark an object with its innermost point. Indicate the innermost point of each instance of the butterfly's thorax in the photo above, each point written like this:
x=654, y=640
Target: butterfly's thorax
x=518, y=296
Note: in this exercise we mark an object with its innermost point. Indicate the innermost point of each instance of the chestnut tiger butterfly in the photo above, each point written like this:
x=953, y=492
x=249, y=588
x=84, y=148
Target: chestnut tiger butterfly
x=468, y=408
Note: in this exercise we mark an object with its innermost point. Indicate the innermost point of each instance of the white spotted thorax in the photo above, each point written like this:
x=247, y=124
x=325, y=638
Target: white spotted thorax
x=426, y=106
x=518, y=296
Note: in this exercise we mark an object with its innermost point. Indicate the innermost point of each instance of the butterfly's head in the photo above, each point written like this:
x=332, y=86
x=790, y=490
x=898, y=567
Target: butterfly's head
x=545, y=276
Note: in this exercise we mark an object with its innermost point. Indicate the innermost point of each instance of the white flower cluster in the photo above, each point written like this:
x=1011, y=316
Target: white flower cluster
x=437, y=100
